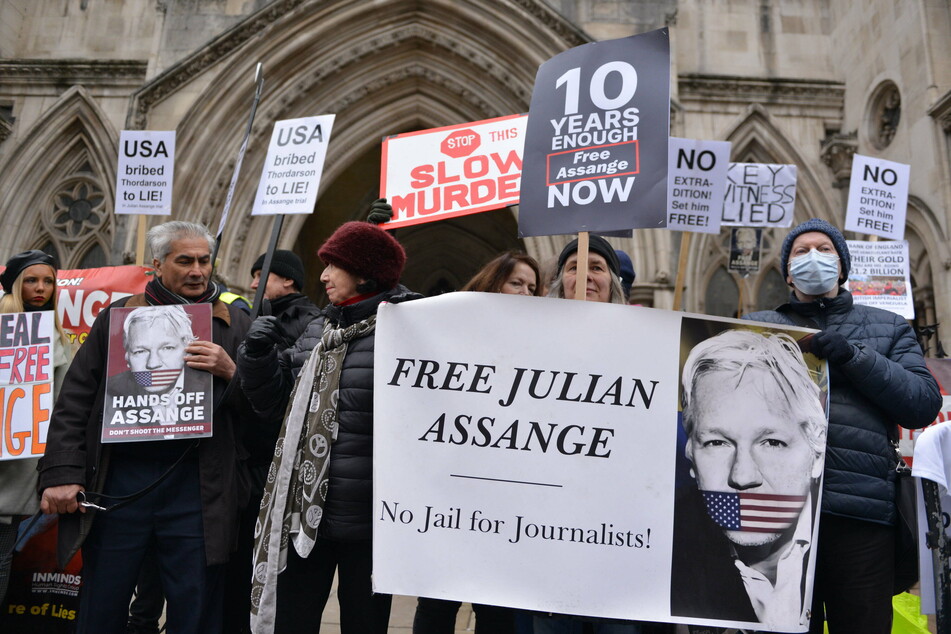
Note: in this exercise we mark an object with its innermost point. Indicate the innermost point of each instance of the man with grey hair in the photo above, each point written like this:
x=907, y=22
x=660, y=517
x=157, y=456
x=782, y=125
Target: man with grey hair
x=179, y=496
x=755, y=438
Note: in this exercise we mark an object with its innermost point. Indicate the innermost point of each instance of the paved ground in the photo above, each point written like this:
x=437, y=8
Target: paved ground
x=401, y=616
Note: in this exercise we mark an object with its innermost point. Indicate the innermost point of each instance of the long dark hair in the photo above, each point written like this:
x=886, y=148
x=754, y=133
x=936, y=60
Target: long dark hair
x=494, y=274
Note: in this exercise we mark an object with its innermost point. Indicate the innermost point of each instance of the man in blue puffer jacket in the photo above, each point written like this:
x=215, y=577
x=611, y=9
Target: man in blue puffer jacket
x=878, y=379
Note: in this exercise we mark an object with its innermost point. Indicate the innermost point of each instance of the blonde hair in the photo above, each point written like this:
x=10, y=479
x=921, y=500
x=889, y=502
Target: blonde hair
x=12, y=302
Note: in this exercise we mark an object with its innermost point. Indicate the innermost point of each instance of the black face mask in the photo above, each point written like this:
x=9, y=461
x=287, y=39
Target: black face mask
x=49, y=305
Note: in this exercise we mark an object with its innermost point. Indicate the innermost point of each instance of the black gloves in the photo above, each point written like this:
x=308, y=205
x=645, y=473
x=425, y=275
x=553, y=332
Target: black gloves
x=832, y=346
x=265, y=332
x=380, y=212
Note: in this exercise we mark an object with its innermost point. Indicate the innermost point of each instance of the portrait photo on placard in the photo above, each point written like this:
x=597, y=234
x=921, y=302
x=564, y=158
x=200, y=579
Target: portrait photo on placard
x=151, y=393
x=751, y=450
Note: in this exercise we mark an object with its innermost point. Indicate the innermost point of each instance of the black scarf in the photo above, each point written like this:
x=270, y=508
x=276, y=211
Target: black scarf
x=156, y=294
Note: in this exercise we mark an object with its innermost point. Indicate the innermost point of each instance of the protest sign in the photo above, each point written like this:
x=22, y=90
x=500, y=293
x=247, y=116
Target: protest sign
x=596, y=142
x=696, y=184
x=145, y=172
x=151, y=394
x=878, y=197
x=295, y=160
x=26, y=383
x=551, y=476
x=453, y=171
x=934, y=443
x=745, y=248
x=880, y=276
x=42, y=597
x=759, y=195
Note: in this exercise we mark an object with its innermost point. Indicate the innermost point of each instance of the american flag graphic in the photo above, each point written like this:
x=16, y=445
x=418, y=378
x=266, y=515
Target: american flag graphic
x=156, y=378
x=753, y=512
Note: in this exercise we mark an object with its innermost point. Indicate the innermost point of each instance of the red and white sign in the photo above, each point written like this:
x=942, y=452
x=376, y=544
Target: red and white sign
x=453, y=171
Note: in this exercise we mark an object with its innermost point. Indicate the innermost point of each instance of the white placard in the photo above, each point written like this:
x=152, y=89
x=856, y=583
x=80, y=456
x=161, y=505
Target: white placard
x=878, y=197
x=26, y=383
x=516, y=465
x=696, y=182
x=453, y=171
x=295, y=160
x=880, y=276
x=145, y=172
x=760, y=195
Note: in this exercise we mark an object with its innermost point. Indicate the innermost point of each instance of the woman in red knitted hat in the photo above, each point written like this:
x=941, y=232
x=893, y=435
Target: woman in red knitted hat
x=315, y=515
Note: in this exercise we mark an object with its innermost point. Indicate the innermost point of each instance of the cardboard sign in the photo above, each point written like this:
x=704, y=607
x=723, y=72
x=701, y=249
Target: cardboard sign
x=151, y=394
x=696, y=184
x=880, y=276
x=878, y=197
x=145, y=172
x=26, y=383
x=759, y=195
x=295, y=161
x=453, y=171
x=745, y=249
x=596, y=143
x=532, y=485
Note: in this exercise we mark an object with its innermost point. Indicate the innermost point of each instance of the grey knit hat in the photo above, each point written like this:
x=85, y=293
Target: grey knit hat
x=817, y=224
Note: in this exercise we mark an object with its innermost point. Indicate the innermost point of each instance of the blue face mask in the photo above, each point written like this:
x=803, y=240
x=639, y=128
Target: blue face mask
x=815, y=273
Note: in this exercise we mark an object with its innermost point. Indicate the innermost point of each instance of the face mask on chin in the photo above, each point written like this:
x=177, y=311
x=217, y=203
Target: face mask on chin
x=815, y=273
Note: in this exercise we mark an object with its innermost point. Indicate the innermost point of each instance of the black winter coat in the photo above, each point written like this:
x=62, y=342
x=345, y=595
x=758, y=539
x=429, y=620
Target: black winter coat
x=75, y=455
x=886, y=383
x=268, y=380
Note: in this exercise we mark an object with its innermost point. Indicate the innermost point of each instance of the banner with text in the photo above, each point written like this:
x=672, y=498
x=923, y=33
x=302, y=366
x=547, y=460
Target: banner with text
x=26, y=383
x=596, y=142
x=878, y=197
x=453, y=171
x=554, y=477
x=145, y=172
x=696, y=184
x=760, y=195
x=880, y=276
x=151, y=393
x=295, y=160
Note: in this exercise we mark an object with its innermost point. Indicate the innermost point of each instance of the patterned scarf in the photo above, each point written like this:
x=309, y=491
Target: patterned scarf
x=156, y=294
x=297, y=481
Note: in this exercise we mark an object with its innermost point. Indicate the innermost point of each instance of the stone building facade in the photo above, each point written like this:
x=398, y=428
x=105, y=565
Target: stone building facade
x=807, y=82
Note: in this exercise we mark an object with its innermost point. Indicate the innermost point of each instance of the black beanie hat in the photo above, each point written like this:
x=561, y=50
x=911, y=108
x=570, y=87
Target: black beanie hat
x=597, y=244
x=284, y=263
x=21, y=261
x=817, y=224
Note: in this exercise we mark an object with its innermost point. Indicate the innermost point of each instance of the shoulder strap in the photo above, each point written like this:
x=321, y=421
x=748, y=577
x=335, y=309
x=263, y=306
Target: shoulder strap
x=796, y=318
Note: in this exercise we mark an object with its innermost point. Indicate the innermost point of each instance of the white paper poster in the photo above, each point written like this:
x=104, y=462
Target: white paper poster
x=453, y=171
x=26, y=383
x=518, y=464
x=760, y=195
x=878, y=197
x=295, y=160
x=880, y=276
x=145, y=172
x=695, y=184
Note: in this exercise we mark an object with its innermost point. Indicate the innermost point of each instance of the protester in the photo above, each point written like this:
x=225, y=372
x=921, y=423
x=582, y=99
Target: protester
x=29, y=284
x=332, y=404
x=293, y=311
x=603, y=284
x=189, y=507
x=511, y=273
x=756, y=432
x=878, y=380
x=627, y=273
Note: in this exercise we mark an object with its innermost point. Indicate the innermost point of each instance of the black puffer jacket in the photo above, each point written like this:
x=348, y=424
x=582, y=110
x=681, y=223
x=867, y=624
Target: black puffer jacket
x=884, y=384
x=268, y=381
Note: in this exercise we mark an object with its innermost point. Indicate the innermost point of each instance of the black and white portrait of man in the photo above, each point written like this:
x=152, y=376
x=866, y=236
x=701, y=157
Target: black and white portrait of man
x=755, y=430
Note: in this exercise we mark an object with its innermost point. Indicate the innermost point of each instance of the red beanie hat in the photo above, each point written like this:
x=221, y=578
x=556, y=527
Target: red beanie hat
x=365, y=250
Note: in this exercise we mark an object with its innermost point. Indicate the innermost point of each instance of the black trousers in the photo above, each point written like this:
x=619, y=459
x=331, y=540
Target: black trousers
x=304, y=586
x=854, y=576
x=167, y=519
x=438, y=616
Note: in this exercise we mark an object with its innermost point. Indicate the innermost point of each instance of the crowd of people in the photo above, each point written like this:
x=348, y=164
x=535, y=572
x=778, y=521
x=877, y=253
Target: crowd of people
x=245, y=530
